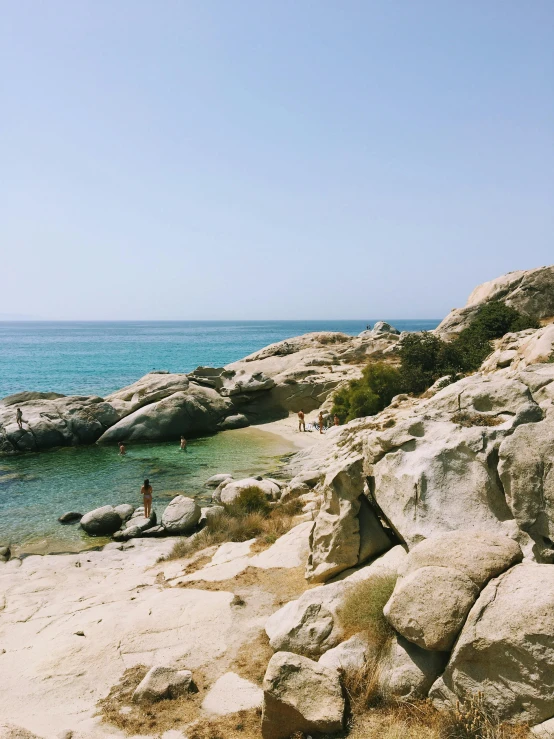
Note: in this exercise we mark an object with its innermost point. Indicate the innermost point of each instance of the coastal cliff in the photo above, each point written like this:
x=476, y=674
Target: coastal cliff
x=417, y=565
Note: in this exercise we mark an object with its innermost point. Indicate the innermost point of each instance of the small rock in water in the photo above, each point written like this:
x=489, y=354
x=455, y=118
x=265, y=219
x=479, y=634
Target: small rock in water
x=70, y=517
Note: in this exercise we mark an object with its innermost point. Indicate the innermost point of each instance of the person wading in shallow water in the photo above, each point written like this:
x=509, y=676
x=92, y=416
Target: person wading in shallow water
x=183, y=443
x=19, y=418
x=146, y=491
x=301, y=421
x=122, y=450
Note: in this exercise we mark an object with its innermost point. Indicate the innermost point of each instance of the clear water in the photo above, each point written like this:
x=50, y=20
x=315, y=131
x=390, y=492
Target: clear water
x=35, y=489
x=97, y=358
x=86, y=358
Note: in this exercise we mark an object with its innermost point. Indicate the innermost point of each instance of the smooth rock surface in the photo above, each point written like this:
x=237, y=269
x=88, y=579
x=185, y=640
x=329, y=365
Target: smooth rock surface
x=181, y=515
x=231, y=694
x=101, y=521
x=234, y=488
x=429, y=606
x=346, y=530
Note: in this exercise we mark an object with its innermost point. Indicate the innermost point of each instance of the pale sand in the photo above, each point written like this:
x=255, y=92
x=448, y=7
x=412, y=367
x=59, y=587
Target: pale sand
x=287, y=428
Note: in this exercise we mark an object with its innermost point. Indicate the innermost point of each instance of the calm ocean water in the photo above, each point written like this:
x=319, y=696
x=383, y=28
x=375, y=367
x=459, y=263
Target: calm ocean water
x=98, y=358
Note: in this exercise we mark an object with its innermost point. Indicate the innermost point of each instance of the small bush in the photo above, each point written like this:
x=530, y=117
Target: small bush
x=250, y=500
x=362, y=609
x=424, y=358
x=475, y=419
x=472, y=720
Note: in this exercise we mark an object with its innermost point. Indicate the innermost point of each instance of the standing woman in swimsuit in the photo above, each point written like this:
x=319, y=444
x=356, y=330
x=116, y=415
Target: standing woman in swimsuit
x=146, y=491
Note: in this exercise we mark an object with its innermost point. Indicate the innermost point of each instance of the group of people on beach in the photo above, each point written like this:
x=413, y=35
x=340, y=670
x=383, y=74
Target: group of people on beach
x=320, y=421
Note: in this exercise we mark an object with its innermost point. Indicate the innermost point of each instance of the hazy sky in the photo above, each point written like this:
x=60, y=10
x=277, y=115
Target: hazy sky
x=271, y=158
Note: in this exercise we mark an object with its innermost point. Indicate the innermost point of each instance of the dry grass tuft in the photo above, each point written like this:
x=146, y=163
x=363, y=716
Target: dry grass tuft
x=247, y=518
x=362, y=609
x=472, y=720
x=251, y=664
x=463, y=418
x=118, y=709
x=242, y=725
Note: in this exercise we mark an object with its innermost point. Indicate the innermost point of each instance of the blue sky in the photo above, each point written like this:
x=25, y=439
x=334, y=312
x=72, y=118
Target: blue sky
x=271, y=159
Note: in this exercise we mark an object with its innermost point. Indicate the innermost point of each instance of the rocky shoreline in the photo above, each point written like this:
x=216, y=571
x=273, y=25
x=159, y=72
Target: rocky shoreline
x=438, y=512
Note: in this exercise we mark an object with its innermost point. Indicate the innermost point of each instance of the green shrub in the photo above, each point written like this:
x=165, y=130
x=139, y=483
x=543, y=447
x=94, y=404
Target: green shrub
x=250, y=500
x=424, y=358
x=367, y=396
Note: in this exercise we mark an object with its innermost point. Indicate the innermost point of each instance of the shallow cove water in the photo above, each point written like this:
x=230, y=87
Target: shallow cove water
x=35, y=489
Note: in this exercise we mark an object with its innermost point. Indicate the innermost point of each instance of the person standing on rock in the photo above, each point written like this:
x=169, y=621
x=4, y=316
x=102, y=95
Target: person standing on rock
x=301, y=420
x=183, y=444
x=19, y=418
x=320, y=420
x=146, y=491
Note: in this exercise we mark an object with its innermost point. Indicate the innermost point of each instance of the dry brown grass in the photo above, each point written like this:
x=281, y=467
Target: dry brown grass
x=145, y=719
x=251, y=663
x=283, y=583
x=242, y=725
x=463, y=418
x=362, y=609
x=238, y=524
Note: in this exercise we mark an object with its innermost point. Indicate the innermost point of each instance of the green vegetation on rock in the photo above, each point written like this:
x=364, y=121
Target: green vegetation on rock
x=425, y=358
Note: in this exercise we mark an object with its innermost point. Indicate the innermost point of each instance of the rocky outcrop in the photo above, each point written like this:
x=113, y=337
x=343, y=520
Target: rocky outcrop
x=346, y=531
x=300, y=696
x=311, y=624
x=506, y=648
x=530, y=292
x=50, y=422
x=163, y=682
x=520, y=350
x=181, y=516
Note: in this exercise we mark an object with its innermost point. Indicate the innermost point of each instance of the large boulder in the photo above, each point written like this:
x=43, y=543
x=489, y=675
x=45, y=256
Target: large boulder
x=430, y=605
x=405, y=671
x=311, y=624
x=506, y=648
x=102, y=521
x=215, y=480
x=232, y=489
x=53, y=421
x=346, y=531
x=300, y=696
x=440, y=580
x=163, y=682
x=527, y=474
x=528, y=291
x=480, y=555
x=195, y=410
x=181, y=515
x=436, y=470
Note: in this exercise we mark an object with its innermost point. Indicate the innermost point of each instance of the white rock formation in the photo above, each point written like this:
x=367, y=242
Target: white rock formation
x=300, y=696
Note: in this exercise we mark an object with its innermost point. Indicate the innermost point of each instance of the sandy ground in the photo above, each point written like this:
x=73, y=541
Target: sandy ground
x=288, y=429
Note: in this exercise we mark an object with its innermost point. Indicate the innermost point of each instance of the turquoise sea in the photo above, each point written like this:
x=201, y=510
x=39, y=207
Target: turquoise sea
x=97, y=358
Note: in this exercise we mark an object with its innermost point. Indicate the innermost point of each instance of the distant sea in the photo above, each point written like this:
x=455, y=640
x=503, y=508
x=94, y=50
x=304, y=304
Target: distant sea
x=96, y=358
